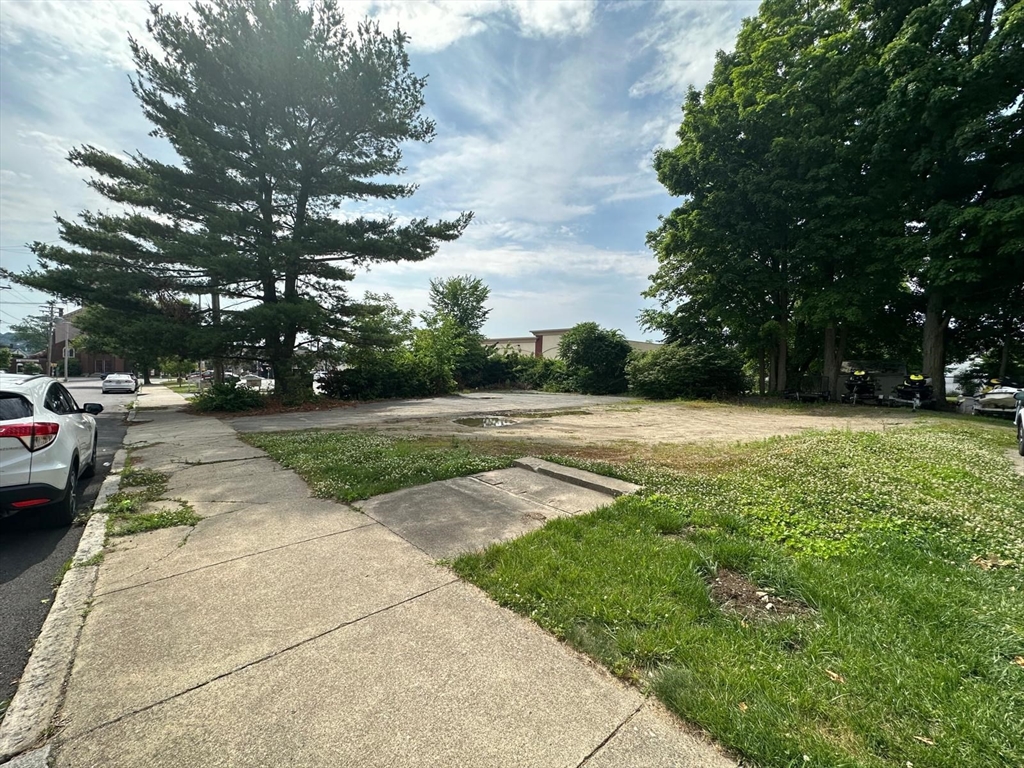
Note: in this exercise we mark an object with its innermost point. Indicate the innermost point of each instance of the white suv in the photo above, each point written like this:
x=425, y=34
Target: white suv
x=46, y=444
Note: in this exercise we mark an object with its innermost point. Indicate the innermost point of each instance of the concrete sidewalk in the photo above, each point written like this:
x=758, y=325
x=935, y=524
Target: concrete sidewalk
x=289, y=630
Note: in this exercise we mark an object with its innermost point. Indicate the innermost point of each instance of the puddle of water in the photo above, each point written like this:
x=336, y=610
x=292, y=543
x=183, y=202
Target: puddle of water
x=485, y=421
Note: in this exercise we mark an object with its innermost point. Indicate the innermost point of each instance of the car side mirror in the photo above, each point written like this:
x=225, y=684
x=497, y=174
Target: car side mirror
x=93, y=408
x=1019, y=396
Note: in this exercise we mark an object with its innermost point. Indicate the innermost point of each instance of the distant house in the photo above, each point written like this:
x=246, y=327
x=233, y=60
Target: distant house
x=64, y=333
x=544, y=343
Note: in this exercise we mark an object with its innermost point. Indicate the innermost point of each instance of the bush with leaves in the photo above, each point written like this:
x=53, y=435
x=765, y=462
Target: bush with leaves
x=5, y=358
x=696, y=371
x=595, y=358
x=229, y=398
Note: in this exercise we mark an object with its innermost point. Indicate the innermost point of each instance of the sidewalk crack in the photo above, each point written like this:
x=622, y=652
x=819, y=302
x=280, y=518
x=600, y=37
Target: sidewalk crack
x=610, y=735
x=262, y=659
x=188, y=463
x=230, y=559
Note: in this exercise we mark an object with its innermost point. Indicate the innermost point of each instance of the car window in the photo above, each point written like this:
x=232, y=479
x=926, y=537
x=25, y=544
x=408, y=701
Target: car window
x=53, y=401
x=14, y=406
x=69, y=401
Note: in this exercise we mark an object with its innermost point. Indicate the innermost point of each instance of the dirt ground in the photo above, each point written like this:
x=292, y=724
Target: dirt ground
x=662, y=423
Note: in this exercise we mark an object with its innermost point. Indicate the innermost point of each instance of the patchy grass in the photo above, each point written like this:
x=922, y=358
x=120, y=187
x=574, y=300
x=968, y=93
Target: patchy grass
x=356, y=465
x=140, y=486
x=59, y=576
x=140, y=522
x=908, y=654
x=96, y=559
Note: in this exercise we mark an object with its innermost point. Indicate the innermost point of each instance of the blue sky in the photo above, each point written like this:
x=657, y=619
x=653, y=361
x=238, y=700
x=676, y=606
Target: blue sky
x=547, y=115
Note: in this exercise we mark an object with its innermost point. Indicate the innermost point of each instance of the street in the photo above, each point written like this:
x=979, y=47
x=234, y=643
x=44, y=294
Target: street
x=30, y=559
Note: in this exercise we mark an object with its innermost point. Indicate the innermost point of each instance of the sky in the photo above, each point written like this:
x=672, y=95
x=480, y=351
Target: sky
x=547, y=113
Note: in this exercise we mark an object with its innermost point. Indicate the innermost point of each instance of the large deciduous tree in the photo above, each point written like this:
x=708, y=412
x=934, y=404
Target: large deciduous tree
x=281, y=115
x=847, y=160
x=951, y=143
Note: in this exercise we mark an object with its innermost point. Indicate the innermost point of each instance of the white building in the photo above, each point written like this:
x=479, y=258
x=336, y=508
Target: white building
x=544, y=343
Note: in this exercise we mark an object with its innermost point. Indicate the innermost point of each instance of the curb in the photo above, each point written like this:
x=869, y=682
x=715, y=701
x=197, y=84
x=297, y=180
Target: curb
x=39, y=694
x=578, y=477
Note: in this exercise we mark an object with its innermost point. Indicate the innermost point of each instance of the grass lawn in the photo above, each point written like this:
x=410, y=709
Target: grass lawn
x=182, y=389
x=348, y=466
x=892, y=561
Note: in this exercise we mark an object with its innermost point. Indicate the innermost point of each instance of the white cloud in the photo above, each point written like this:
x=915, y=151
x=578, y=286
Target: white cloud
x=100, y=28
x=684, y=40
x=97, y=28
x=554, y=152
x=553, y=18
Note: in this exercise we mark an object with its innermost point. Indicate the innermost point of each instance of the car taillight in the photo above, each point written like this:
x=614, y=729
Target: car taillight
x=32, y=436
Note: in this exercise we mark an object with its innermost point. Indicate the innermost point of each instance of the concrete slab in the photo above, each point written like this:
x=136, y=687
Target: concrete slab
x=248, y=530
x=37, y=758
x=582, y=478
x=570, y=499
x=447, y=679
x=654, y=738
x=143, y=644
x=258, y=480
x=450, y=517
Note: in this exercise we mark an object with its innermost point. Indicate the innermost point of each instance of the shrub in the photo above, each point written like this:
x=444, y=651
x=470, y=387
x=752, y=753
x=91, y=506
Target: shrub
x=595, y=359
x=377, y=377
x=227, y=397
x=696, y=371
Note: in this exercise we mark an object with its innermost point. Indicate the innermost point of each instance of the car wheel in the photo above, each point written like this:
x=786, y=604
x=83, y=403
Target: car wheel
x=90, y=468
x=62, y=513
x=1020, y=437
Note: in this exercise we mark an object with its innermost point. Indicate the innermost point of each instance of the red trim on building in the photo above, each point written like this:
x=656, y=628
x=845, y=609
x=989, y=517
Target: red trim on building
x=538, y=347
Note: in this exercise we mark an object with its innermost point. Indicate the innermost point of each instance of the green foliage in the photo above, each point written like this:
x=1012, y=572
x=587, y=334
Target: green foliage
x=393, y=375
x=437, y=350
x=351, y=466
x=875, y=533
x=595, y=359
x=461, y=298
x=30, y=368
x=32, y=334
x=142, y=331
x=5, y=358
x=177, y=367
x=694, y=371
x=280, y=112
x=227, y=398
x=836, y=187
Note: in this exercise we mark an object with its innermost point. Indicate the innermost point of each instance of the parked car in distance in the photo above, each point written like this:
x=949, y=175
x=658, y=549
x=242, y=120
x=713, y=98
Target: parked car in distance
x=46, y=444
x=1018, y=420
x=119, y=382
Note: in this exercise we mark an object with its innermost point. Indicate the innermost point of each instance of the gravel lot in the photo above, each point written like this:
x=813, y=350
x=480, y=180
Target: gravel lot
x=584, y=420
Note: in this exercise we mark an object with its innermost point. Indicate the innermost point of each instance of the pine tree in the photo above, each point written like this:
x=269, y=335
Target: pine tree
x=280, y=116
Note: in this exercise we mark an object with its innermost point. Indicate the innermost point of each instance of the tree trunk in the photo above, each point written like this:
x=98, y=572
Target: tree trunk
x=218, y=363
x=830, y=364
x=782, y=357
x=1004, y=359
x=934, y=363
x=762, y=371
x=773, y=371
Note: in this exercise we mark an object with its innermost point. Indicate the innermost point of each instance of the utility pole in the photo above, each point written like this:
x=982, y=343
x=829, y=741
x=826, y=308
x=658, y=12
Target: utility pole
x=52, y=304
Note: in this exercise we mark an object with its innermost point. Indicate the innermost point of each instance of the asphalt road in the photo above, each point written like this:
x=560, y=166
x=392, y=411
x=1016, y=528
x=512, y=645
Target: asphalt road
x=31, y=559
